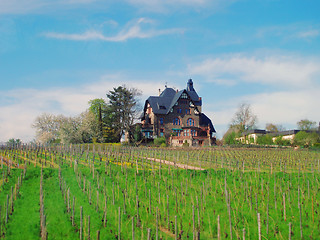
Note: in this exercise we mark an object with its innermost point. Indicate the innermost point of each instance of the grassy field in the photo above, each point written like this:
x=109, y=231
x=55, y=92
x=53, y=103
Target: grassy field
x=114, y=192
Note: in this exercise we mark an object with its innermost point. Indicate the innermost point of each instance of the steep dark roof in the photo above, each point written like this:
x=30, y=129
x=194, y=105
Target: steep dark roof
x=166, y=100
x=205, y=121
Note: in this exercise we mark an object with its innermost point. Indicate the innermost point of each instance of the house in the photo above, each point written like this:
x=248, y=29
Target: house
x=177, y=116
x=251, y=136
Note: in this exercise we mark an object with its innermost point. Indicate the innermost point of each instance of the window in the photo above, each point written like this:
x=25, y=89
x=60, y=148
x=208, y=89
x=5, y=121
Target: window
x=180, y=141
x=176, y=132
x=193, y=133
x=190, y=122
x=188, y=111
x=186, y=132
x=176, y=121
x=161, y=121
x=184, y=95
x=179, y=110
x=161, y=132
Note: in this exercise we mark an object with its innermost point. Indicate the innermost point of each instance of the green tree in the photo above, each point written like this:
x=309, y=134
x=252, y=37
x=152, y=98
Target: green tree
x=122, y=109
x=306, y=125
x=13, y=142
x=98, y=108
x=305, y=139
x=230, y=138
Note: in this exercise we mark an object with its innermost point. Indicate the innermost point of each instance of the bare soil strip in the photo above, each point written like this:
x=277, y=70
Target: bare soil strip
x=179, y=165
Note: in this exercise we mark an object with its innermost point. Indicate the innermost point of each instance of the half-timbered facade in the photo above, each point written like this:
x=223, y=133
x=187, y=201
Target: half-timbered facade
x=177, y=116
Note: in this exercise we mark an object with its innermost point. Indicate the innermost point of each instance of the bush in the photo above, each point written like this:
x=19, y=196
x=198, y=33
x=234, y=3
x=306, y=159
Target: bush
x=282, y=142
x=185, y=144
x=304, y=139
x=230, y=139
x=160, y=141
x=264, y=140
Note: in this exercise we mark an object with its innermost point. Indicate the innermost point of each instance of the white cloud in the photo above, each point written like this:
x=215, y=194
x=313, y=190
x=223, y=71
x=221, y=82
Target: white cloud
x=308, y=34
x=131, y=30
x=283, y=107
x=43, y=6
x=276, y=70
x=32, y=6
x=169, y=5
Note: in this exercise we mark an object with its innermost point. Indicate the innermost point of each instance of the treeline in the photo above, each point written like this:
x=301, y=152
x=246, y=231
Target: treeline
x=106, y=120
x=245, y=121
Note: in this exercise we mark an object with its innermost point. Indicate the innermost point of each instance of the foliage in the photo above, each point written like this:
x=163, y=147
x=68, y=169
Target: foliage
x=274, y=128
x=244, y=119
x=306, y=124
x=122, y=109
x=306, y=139
x=13, y=142
x=230, y=138
x=265, y=139
x=137, y=135
x=282, y=142
x=83, y=128
x=159, y=141
x=47, y=127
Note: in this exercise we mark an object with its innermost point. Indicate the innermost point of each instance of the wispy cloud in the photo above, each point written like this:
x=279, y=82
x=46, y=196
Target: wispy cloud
x=132, y=30
x=308, y=34
x=43, y=6
x=279, y=71
x=289, y=32
x=179, y=5
x=38, y=6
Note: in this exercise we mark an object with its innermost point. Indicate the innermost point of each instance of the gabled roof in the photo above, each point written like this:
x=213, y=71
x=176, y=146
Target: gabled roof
x=205, y=121
x=166, y=100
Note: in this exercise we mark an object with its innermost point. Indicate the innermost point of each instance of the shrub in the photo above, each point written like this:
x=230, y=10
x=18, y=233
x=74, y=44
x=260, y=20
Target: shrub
x=160, y=141
x=305, y=139
x=265, y=140
x=230, y=139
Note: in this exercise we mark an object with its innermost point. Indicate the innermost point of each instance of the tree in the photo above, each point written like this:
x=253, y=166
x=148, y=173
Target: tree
x=306, y=125
x=244, y=119
x=305, y=139
x=122, y=109
x=47, y=127
x=230, y=138
x=14, y=142
x=98, y=107
x=271, y=127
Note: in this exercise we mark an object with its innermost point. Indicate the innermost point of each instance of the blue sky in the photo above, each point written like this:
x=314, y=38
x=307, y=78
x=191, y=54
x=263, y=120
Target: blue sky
x=56, y=55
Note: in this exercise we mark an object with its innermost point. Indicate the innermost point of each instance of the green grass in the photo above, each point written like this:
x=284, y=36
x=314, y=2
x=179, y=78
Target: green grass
x=24, y=223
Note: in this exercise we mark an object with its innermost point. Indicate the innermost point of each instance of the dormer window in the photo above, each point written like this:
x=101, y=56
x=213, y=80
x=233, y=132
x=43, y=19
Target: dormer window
x=196, y=111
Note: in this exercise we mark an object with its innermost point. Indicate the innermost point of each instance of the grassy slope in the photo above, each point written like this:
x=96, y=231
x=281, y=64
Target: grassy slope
x=58, y=223
x=25, y=221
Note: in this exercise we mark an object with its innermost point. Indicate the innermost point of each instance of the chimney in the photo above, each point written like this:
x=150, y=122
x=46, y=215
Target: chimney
x=159, y=91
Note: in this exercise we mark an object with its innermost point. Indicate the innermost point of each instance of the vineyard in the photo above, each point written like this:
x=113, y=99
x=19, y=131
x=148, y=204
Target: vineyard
x=117, y=192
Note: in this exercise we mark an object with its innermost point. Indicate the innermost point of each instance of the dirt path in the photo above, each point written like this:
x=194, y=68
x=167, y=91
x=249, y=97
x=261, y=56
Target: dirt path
x=179, y=165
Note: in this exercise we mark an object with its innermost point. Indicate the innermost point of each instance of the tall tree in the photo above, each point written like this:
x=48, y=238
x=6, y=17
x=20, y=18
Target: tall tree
x=98, y=108
x=306, y=124
x=122, y=108
x=244, y=119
